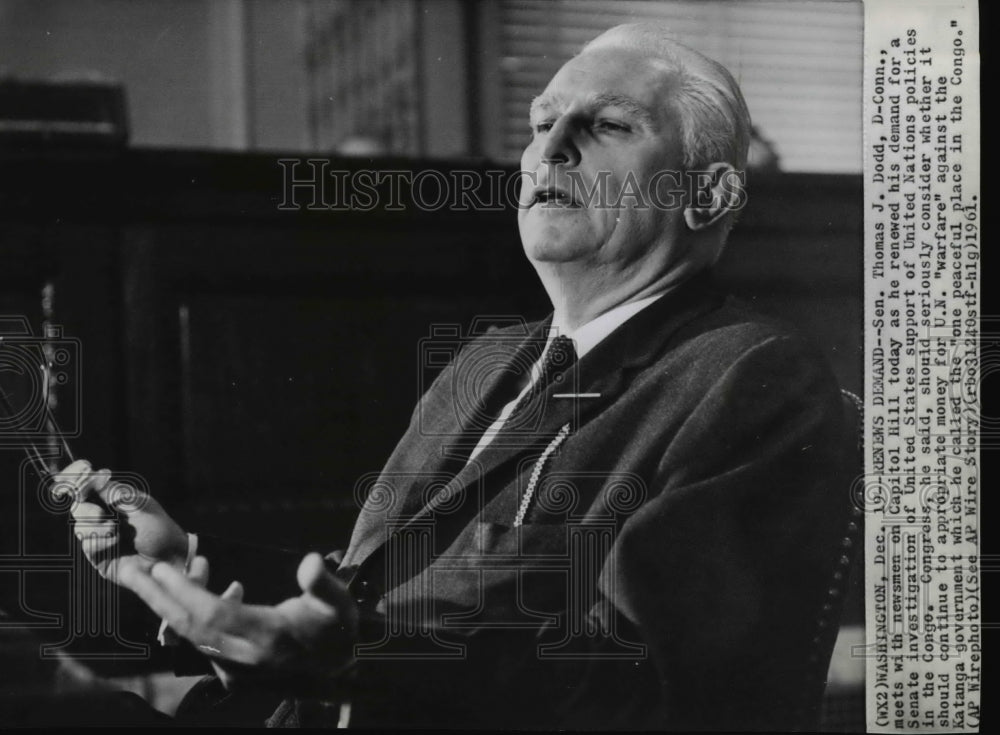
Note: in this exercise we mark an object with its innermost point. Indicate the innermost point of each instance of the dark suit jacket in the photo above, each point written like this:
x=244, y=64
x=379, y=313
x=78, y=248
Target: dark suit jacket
x=674, y=555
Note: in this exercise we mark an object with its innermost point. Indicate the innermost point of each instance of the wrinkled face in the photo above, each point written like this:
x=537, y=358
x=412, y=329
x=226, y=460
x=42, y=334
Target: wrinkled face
x=604, y=120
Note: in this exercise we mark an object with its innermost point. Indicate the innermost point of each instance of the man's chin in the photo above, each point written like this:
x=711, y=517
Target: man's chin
x=553, y=252
x=554, y=245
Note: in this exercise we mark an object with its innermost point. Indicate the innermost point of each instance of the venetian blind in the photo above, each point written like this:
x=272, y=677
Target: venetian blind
x=799, y=63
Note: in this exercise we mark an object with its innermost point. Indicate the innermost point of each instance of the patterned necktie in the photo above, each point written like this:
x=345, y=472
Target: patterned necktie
x=559, y=358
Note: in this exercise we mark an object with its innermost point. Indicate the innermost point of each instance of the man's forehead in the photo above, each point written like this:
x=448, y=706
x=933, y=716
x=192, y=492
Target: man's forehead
x=549, y=101
x=617, y=76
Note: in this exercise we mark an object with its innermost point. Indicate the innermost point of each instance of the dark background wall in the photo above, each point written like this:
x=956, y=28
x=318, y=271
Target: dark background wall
x=253, y=363
x=248, y=364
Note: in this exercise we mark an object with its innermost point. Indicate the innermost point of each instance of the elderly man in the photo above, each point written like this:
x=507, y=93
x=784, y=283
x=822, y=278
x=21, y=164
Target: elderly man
x=639, y=531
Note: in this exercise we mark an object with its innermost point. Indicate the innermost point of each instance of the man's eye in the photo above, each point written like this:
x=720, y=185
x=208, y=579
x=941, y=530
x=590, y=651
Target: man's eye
x=611, y=125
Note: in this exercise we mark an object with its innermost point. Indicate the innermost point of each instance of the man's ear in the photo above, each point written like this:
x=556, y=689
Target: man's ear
x=715, y=190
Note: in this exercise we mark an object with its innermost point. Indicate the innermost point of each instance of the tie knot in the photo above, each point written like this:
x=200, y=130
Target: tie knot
x=560, y=355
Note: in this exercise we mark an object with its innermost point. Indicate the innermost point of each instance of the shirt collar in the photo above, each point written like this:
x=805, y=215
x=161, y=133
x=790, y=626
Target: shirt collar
x=587, y=336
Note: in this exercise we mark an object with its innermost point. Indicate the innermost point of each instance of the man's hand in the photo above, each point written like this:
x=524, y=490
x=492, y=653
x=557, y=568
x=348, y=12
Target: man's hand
x=297, y=646
x=151, y=536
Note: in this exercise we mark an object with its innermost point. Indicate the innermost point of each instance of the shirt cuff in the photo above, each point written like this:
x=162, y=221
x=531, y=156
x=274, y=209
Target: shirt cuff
x=166, y=636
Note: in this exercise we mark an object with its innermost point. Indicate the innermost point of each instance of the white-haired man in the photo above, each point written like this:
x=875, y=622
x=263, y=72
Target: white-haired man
x=639, y=533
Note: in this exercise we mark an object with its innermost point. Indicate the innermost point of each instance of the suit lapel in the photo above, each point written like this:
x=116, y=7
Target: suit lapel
x=581, y=395
x=482, y=381
x=599, y=378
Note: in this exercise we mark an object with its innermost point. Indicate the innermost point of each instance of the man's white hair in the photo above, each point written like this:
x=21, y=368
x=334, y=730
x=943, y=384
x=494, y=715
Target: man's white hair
x=715, y=121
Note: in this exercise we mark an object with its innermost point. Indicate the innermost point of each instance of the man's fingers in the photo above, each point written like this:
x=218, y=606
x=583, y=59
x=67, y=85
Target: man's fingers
x=103, y=532
x=69, y=478
x=159, y=600
x=314, y=578
x=198, y=571
x=88, y=513
x=79, y=480
x=234, y=649
x=120, y=496
x=310, y=573
x=188, y=609
x=233, y=592
x=98, y=534
x=99, y=541
x=197, y=600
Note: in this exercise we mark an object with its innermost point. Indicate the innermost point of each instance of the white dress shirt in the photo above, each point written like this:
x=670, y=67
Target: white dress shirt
x=585, y=338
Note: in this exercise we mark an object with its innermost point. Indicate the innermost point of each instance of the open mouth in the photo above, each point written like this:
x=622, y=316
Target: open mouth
x=554, y=197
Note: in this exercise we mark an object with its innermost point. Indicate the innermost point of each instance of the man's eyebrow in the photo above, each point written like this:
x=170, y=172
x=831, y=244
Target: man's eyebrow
x=541, y=103
x=636, y=109
x=629, y=104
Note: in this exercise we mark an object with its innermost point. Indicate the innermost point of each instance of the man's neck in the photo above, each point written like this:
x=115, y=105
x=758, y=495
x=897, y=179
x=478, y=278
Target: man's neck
x=576, y=302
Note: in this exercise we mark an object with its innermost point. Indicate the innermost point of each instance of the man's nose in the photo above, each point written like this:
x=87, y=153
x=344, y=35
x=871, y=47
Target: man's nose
x=560, y=146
